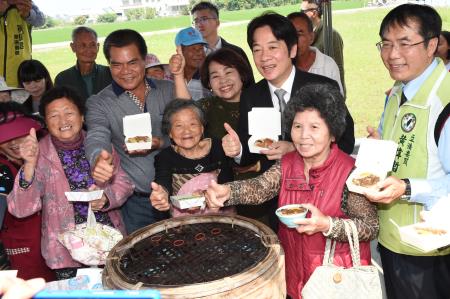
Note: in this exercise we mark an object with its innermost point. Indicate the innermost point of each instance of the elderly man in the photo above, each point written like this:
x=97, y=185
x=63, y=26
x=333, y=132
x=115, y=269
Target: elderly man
x=313, y=9
x=192, y=43
x=86, y=77
x=17, y=17
x=129, y=93
x=416, y=116
x=310, y=59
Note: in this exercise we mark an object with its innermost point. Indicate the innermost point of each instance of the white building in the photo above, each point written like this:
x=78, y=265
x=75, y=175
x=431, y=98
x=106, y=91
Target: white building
x=162, y=7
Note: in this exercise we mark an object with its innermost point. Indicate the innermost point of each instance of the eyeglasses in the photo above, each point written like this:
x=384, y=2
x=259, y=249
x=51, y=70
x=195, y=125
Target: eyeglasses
x=384, y=46
x=202, y=20
x=308, y=9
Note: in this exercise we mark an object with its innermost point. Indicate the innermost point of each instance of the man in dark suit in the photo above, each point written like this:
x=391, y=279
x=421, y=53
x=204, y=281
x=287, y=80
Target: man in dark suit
x=273, y=40
x=206, y=20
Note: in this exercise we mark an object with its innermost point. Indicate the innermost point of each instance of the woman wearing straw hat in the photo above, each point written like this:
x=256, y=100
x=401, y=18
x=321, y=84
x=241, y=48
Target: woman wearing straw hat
x=21, y=237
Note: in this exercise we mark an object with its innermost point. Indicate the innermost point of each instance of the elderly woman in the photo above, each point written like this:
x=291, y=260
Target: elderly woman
x=191, y=162
x=58, y=164
x=314, y=175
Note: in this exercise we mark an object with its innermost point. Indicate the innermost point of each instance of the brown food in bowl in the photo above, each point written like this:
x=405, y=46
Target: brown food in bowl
x=138, y=139
x=292, y=211
x=366, y=180
x=265, y=143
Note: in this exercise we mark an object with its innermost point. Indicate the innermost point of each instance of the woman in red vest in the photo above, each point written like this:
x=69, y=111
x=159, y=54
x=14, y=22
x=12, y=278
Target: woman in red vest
x=21, y=237
x=314, y=175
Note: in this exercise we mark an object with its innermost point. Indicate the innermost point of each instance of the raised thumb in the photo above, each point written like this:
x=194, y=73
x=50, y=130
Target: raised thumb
x=106, y=156
x=230, y=131
x=33, y=132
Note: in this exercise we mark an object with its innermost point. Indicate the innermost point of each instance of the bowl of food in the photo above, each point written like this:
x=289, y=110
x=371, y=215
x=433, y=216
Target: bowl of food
x=288, y=214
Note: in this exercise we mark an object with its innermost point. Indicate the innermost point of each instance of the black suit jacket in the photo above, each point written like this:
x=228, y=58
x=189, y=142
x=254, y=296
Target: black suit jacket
x=259, y=95
x=241, y=52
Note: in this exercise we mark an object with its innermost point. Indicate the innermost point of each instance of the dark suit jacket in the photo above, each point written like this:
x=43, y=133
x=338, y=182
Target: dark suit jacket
x=241, y=52
x=259, y=95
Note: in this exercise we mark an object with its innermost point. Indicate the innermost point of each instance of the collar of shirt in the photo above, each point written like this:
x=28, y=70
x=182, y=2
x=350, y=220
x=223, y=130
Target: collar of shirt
x=287, y=86
x=118, y=90
x=217, y=46
x=410, y=89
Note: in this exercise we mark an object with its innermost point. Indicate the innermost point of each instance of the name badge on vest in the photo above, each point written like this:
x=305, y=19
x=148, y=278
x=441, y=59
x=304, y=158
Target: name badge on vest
x=408, y=122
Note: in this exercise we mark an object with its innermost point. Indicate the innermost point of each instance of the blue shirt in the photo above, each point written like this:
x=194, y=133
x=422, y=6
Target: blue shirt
x=428, y=191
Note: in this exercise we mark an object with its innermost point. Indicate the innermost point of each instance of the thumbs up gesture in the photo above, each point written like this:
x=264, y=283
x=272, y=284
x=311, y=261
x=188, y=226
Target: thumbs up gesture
x=29, y=148
x=29, y=152
x=159, y=197
x=217, y=194
x=103, y=169
x=230, y=142
x=177, y=63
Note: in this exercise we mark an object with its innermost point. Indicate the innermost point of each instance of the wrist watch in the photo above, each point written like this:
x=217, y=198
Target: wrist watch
x=407, y=194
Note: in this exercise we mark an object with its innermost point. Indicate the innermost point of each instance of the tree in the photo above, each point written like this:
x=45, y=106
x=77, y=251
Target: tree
x=80, y=20
x=135, y=13
x=109, y=17
x=150, y=13
x=49, y=22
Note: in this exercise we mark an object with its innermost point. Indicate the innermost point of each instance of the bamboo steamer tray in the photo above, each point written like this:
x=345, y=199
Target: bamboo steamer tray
x=265, y=278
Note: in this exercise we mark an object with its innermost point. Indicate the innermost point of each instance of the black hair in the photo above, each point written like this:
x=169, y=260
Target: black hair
x=32, y=70
x=83, y=29
x=319, y=6
x=280, y=26
x=122, y=38
x=301, y=15
x=59, y=92
x=177, y=105
x=446, y=35
x=324, y=97
x=230, y=58
x=16, y=110
x=428, y=20
x=205, y=5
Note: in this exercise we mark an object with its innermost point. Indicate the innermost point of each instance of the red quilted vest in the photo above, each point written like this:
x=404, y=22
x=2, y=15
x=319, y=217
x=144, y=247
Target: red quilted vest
x=22, y=238
x=324, y=190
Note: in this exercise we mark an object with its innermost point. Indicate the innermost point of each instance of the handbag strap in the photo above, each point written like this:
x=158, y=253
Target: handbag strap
x=353, y=241
x=328, y=256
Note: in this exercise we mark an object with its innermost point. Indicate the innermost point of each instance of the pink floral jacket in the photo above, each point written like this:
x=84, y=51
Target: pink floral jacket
x=46, y=193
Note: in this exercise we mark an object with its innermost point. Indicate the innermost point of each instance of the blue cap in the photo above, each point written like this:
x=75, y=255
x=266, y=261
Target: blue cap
x=189, y=36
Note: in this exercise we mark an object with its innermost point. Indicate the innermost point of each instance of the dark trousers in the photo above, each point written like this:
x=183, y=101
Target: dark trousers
x=410, y=277
x=138, y=212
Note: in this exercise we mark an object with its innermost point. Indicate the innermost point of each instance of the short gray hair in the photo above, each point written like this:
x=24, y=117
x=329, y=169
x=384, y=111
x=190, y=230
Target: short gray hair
x=83, y=29
x=177, y=105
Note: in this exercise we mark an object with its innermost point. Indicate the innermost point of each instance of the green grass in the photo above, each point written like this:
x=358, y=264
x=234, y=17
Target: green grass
x=61, y=34
x=366, y=77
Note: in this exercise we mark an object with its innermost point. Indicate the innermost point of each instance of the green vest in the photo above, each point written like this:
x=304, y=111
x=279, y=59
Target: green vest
x=412, y=127
x=15, y=41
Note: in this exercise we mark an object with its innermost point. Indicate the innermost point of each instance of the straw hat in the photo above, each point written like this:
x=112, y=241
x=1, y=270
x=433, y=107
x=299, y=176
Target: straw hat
x=18, y=95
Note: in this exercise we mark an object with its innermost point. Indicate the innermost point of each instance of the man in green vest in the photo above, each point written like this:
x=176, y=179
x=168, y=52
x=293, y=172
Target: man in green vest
x=416, y=116
x=16, y=19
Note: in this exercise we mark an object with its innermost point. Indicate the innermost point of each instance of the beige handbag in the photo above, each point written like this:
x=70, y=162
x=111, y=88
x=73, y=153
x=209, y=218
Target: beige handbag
x=333, y=282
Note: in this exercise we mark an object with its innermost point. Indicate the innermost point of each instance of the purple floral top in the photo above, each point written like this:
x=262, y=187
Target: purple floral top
x=78, y=173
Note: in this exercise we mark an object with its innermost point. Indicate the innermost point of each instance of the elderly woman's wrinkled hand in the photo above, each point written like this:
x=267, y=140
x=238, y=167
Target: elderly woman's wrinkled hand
x=159, y=198
x=29, y=149
x=17, y=288
x=100, y=203
x=216, y=195
x=390, y=189
x=316, y=223
x=278, y=149
x=103, y=169
x=177, y=63
x=230, y=142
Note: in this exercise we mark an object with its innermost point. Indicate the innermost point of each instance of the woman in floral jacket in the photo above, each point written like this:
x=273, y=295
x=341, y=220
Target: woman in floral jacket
x=58, y=164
